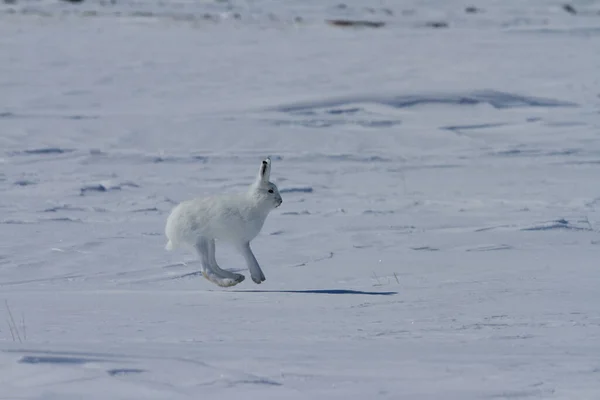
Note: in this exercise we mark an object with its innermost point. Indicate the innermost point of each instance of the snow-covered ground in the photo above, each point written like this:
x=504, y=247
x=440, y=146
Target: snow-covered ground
x=439, y=236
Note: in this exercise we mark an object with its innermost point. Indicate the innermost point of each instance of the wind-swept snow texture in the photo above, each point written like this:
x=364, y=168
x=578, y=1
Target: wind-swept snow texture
x=439, y=166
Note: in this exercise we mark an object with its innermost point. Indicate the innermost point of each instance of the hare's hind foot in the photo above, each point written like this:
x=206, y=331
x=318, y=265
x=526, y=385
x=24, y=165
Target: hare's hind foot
x=210, y=269
x=223, y=282
x=227, y=282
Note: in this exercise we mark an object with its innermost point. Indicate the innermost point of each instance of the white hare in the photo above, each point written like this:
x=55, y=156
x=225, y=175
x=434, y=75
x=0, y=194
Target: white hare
x=233, y=218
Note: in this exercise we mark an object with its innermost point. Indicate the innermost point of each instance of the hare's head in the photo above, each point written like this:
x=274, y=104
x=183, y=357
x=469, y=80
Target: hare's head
x=265, y=191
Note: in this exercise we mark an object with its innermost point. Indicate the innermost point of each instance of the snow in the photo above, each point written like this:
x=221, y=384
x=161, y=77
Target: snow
x=438, y=236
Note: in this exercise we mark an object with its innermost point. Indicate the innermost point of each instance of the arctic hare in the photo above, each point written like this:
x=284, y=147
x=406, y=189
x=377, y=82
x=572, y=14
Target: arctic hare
x=233, y=218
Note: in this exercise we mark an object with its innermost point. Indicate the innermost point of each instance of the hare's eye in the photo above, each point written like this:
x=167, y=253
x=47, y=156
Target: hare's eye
x=270, y=190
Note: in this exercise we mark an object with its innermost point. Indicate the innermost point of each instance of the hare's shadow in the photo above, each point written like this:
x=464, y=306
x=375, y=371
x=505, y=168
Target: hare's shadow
x=309, y=291
x=319, y=291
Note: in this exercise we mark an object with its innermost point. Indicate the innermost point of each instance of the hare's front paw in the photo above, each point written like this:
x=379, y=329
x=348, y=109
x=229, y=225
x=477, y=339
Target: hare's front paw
x=258, y=278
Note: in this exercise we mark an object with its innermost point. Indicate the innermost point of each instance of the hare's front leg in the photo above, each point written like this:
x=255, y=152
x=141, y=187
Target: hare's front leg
x=204, y=251
x=255, y=271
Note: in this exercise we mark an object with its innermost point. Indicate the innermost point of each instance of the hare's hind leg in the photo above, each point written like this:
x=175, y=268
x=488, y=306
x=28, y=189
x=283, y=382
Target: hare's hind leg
x=203, y=249
x=255, y=271
x=215, y=267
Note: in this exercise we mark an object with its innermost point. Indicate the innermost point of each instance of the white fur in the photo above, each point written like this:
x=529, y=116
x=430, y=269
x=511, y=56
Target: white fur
x=233, y=218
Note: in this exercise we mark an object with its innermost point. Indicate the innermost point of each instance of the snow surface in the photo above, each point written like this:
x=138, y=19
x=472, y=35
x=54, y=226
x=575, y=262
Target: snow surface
x=439, y=235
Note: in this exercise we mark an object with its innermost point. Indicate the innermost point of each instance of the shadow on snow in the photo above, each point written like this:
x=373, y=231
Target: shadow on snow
x=320, y=291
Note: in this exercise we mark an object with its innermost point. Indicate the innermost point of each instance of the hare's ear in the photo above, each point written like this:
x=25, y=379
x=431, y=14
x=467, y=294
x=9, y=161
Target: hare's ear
x=265, y=171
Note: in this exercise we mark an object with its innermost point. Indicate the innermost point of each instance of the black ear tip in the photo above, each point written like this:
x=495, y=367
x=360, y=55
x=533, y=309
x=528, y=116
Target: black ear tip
x=265, y=162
